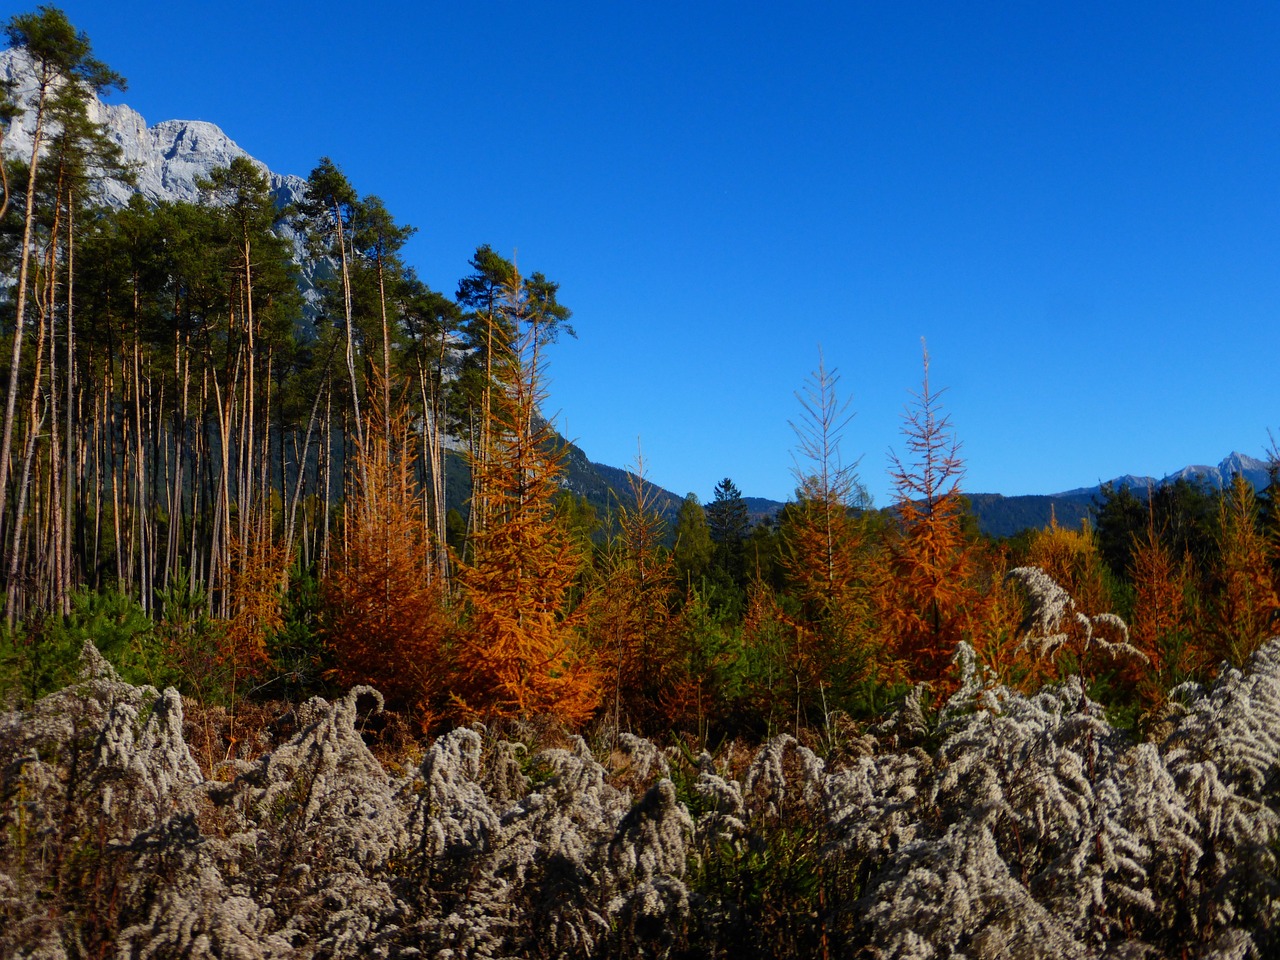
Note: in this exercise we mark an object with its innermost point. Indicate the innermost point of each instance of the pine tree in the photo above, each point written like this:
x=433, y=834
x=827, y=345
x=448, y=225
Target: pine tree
x=327, y=211
x=66, y=76
x=728, y=523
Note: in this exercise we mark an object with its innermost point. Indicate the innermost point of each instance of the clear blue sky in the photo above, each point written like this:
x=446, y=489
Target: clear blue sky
x=1075, y=203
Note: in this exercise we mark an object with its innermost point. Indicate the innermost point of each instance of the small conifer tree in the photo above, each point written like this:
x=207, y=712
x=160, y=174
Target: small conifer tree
x=826, y=559
x=520, y=654
x=930, y=601
x=1245, y=605
x=386, y=613
x=634, y=627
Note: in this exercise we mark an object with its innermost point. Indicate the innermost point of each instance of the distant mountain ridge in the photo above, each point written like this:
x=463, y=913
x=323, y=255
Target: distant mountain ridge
x=1001, y=516
x=1253, y=469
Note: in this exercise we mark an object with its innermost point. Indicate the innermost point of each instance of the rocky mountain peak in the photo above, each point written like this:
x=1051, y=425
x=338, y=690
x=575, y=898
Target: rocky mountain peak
x=166, y=158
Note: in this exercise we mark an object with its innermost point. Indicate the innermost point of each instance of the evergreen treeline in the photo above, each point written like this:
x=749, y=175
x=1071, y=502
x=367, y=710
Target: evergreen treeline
x=246, y=493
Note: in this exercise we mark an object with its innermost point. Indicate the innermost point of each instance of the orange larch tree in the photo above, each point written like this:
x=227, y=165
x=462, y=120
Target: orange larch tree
x=825, y=556
x=632, y=623
x=930, y=601
x=1161, y=625
x=521, y=651
x=255, y=579
x=387, y=617
x=1244, y=609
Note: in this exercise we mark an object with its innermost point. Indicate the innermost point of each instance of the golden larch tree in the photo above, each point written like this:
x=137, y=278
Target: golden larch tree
x=825, y=556
x=521, y=651
x=1244, y=608
x=386, y=619
x=1071, y=558
x=632, y=624
x=930, y=600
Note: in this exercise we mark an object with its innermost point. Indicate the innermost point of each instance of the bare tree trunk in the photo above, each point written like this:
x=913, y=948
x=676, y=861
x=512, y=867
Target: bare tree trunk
x=20, y=303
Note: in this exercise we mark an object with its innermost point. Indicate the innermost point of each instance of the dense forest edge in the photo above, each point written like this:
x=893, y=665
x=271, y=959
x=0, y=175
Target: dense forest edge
x=310, y=643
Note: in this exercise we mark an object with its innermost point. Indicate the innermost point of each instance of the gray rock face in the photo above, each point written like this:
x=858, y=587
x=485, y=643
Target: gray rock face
x=166, y=158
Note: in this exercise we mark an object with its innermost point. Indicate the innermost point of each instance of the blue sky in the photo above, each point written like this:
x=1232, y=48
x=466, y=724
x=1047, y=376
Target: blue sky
x=1077, y=205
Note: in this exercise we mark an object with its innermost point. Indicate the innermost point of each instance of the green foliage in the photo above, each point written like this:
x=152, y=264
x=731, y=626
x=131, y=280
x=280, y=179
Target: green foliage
x=298, y=654
x=729, y=523
x=43, y=655
x=1184, y=513
x=192, y=641
x=711, y=651
x=693, y=547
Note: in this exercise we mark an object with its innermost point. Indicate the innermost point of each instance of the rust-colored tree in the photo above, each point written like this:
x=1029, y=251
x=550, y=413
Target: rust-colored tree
x=1071, y=558
x=826, y=557
x=1244, y=607
x=632, y=624
x=386, y=615
x=930, y=600
x=521, y=653
x=1161, y=625
x=256, y=576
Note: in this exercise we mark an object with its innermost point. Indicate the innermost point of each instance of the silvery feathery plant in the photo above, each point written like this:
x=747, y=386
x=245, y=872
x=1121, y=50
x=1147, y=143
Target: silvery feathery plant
x=87, y=771
x=1006, y=825
x=297, y=852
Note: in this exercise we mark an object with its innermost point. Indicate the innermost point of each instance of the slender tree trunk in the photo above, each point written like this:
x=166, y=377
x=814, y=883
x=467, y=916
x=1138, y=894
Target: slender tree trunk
x=68, y=500
x=20, y=303
x=35, y=420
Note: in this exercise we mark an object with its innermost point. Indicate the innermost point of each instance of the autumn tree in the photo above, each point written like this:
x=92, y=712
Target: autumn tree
x=1072, y=559
x=632, y=623
x=1162, y=624
x=825, y=558
x=1245, y=607
x=930, y=601
x=520, y=653
x=386, y=619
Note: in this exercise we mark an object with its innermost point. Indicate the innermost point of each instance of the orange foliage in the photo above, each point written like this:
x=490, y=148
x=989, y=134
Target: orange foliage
x=1071, y=558
x=1161, y=625
x=256, y=575
x=827, y=563
x=930, y=600
x=1245, y=605
x=631, y=618
x=386, y=619
x=520, y=653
